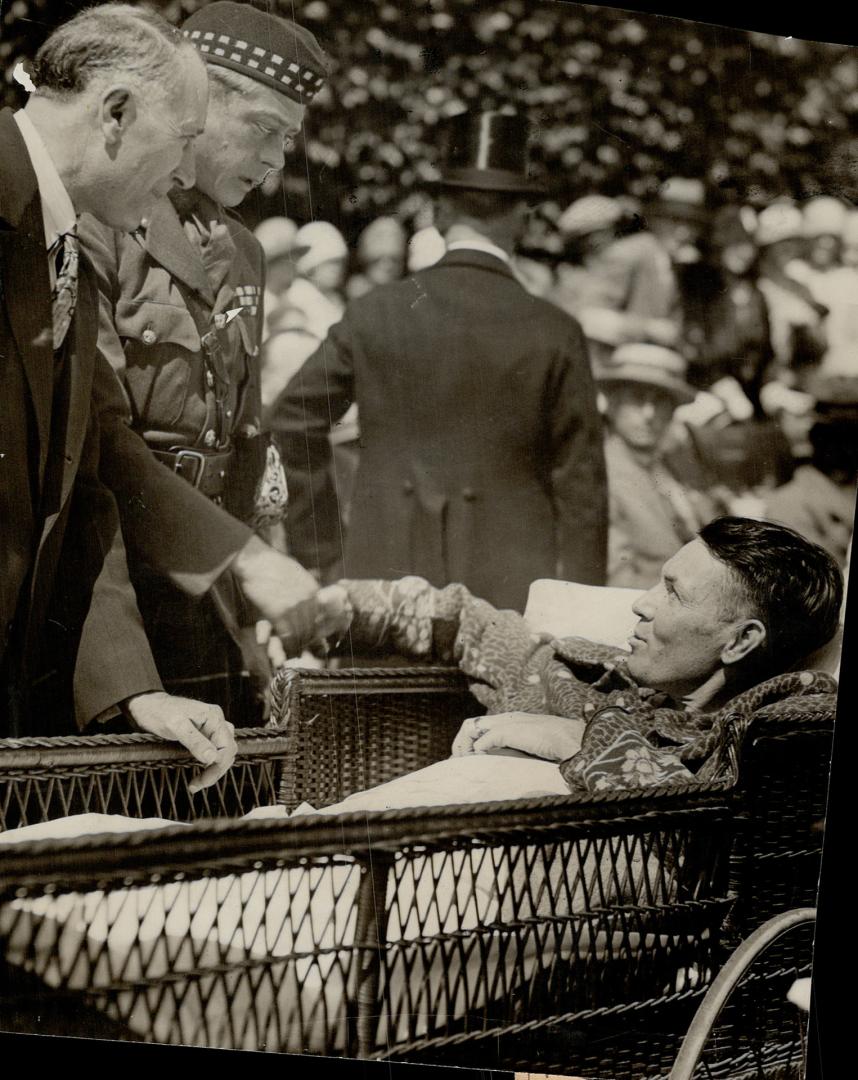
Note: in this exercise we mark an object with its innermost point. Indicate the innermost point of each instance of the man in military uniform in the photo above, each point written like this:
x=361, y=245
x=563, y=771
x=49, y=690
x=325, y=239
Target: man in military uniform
x=181, y=323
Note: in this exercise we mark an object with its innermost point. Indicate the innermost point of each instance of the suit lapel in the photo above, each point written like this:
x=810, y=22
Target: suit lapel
x=26, y=283
x=166, y=242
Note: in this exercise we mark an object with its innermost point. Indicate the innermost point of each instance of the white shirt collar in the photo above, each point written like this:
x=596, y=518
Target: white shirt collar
x=58, y=213
x=480, y=245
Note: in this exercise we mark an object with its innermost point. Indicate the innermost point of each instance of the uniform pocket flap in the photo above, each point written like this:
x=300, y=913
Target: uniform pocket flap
x=155, y=323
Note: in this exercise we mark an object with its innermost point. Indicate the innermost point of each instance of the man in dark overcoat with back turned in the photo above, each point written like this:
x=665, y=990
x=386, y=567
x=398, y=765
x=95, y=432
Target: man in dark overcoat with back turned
x=481, y=456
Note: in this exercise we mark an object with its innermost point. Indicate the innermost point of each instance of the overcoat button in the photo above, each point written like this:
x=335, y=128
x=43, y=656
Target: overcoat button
x=149, y=336
x=209, y=438
x=468, y=494
x=408, y=487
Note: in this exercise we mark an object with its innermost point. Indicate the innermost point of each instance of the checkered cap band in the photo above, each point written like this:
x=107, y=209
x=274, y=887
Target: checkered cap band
x=292, y=78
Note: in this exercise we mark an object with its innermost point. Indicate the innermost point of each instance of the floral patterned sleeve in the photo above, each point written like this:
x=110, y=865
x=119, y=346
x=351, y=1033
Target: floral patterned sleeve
x=448, y=625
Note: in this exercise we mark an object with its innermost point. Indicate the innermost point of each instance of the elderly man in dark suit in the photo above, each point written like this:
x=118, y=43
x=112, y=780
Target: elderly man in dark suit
x=120, y=97
x=481, y=445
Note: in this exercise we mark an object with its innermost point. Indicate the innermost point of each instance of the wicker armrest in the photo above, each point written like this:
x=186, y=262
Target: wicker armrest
x=352, y=729
x=135, y=775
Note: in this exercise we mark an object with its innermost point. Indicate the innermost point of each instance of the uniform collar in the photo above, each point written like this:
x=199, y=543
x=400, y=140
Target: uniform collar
x=58, y=213
x=164, y=238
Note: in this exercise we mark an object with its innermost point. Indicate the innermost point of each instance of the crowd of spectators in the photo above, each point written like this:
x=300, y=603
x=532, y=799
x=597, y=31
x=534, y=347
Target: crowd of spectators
x=724, y=344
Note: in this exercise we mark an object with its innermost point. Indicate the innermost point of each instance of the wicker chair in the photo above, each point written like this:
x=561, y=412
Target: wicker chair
x=568, y=933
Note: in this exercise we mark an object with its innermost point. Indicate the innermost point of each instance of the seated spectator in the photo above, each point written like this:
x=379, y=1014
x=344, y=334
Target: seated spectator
x=725, y=319
x=819, y=500
x=381, y=254
x=623, y=281
x=677, y=219
x=321, y=257
x=831, y=283
x=652, y=513
x=795, y=316
x=734, y=613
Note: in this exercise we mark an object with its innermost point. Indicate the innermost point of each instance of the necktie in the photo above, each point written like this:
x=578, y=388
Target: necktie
x=64, y=295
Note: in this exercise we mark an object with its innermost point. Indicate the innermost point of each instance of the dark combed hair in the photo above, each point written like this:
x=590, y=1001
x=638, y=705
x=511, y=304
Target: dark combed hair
x=794, y=587
x=110, y=38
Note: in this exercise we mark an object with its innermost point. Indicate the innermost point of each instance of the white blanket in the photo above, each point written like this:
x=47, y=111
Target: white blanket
x=302, y=921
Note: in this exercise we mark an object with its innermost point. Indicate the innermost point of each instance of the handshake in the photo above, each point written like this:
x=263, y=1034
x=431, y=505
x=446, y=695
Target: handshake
x=295, y=614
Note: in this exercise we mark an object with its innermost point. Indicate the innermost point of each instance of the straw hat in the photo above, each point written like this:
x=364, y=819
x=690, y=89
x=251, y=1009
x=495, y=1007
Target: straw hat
x=588, y=214
x=650, y=365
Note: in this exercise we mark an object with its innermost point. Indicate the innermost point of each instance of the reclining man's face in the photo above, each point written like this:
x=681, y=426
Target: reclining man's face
x=688, y=628
x=246, y=137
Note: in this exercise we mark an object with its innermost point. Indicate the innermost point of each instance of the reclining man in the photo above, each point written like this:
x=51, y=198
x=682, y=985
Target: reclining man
x=735, y=613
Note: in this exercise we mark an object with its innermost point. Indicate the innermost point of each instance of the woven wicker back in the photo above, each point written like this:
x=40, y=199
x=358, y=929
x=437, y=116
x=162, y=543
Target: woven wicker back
x=783, y=767
x=353, y=729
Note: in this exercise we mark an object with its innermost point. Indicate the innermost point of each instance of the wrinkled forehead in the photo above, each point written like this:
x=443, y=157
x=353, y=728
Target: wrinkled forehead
x=263, y=101
x=703, y=578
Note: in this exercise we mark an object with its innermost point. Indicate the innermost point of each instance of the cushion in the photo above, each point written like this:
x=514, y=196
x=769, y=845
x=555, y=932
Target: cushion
x=567, y=609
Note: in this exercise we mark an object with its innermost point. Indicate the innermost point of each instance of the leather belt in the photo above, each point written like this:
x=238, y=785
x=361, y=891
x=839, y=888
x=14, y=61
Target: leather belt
x=205, y=471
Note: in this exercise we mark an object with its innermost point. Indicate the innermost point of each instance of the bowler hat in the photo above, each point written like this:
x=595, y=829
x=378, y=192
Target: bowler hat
x=652, y=365
x=487, y=151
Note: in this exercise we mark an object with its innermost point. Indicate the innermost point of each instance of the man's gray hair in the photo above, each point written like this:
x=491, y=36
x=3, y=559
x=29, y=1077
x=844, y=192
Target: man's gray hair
x=111, y=39
x=226, y=83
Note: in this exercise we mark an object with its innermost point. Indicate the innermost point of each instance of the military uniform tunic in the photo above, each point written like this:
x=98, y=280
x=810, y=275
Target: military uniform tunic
x=181, y=324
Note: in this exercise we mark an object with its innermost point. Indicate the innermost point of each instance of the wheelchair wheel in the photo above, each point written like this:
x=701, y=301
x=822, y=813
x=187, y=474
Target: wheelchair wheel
x=745, y=1027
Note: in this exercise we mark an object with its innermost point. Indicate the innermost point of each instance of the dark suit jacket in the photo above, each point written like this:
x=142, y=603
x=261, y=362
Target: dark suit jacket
x=67, y=457
x=481, y=455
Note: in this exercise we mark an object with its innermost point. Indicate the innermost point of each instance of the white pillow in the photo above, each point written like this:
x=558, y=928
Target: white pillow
x=567, y=609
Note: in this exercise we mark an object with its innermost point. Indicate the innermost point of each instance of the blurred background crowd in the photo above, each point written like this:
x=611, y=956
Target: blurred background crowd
x=698, y=222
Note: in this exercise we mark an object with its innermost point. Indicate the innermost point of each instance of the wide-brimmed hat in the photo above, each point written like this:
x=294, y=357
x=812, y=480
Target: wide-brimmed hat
x=590, y=213
x=650, y=365
x=487, y=151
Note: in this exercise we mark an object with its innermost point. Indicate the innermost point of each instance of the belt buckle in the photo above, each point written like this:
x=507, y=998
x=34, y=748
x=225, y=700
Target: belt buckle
x=199, y=460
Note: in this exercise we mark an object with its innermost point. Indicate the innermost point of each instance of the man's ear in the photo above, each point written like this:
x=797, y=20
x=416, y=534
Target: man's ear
x=749, y=635
x=118, y=110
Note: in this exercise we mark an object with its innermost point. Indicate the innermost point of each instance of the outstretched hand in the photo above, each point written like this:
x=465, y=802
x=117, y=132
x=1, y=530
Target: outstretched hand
x=553, y=738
